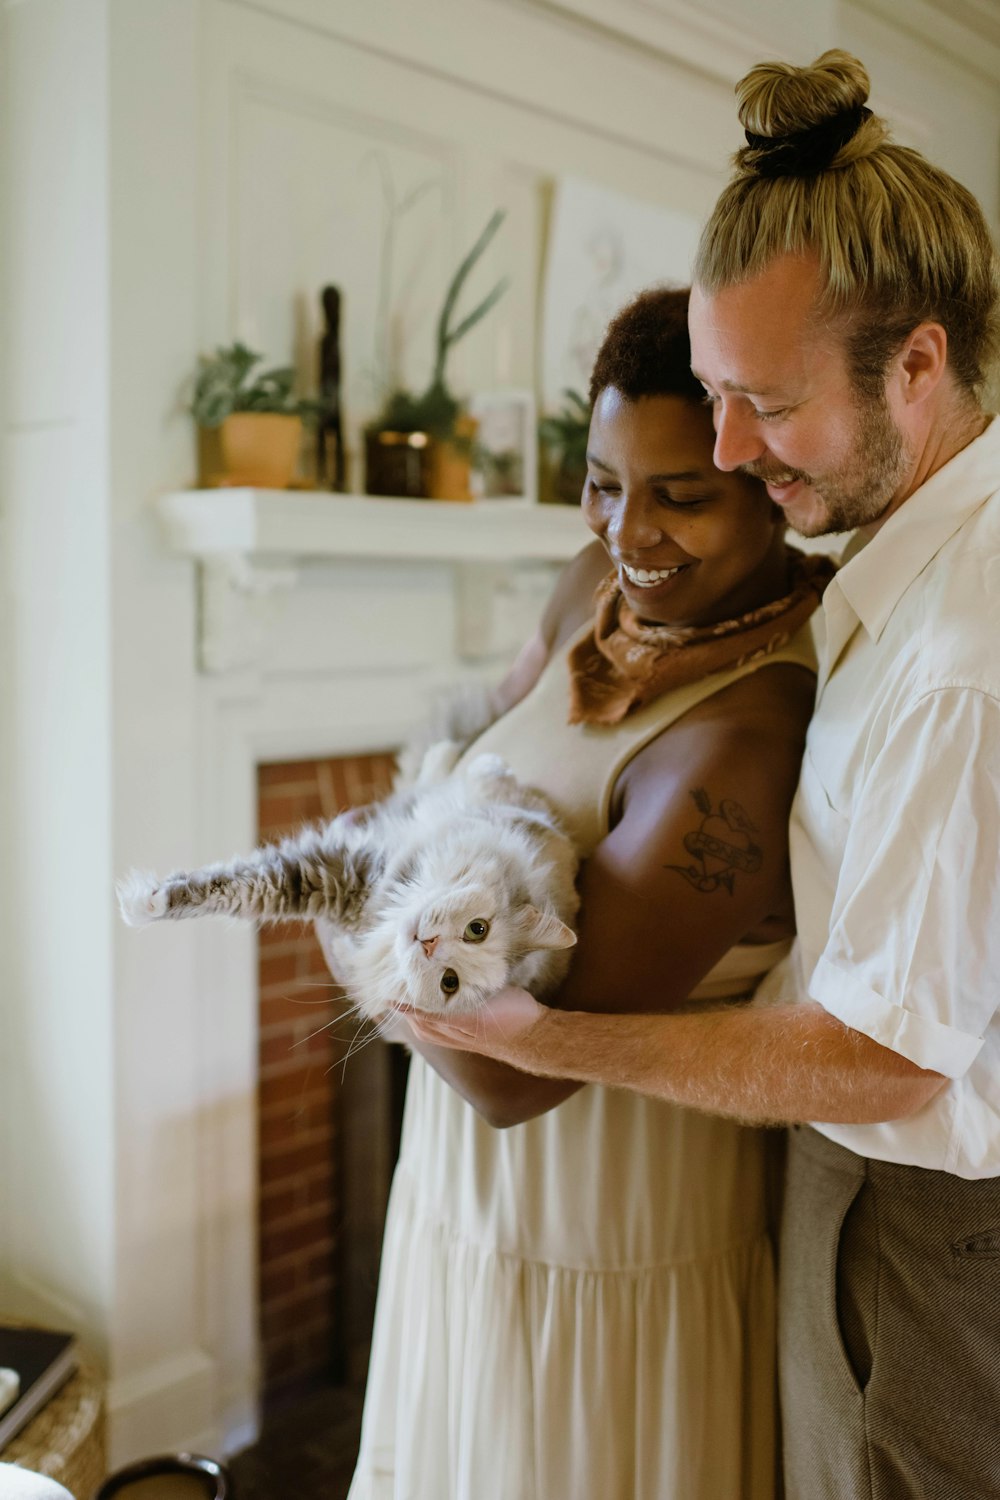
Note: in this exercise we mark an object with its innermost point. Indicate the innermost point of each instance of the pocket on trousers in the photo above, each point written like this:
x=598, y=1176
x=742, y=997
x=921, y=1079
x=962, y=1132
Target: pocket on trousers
x=856, y=1286
x=983, y=1245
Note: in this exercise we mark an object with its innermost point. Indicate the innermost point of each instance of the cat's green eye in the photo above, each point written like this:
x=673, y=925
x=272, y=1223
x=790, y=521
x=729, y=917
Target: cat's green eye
x=449, y=982
x=476, y=930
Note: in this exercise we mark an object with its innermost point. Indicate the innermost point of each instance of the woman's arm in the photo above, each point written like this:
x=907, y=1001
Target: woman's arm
x=659, y=906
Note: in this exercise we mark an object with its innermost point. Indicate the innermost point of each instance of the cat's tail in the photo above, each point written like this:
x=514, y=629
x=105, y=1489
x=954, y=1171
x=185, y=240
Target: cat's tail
x=300, y=879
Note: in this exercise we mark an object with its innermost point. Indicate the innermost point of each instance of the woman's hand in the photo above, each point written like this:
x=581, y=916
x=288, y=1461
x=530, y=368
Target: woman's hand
x=503, y=1028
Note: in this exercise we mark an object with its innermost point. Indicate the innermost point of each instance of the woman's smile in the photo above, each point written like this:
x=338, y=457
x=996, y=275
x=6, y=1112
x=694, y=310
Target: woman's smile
x=647, y=578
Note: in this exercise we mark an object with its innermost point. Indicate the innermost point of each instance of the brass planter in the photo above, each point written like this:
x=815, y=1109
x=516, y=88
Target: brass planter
x=258, y=448
x=398, y=463
x=261, y=448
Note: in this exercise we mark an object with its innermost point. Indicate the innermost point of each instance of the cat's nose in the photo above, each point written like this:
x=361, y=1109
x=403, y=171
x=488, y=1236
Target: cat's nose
x=428, y=945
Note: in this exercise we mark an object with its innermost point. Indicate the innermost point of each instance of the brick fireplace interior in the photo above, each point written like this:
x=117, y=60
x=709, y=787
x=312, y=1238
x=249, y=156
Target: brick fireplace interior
x=328, y=1127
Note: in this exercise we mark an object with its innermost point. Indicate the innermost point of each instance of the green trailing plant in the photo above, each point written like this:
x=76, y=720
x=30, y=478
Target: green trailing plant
x=223, y=386
x=437, y=410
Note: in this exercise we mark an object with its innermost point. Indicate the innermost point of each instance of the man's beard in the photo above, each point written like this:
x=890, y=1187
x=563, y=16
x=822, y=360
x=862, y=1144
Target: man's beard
x=876, y=468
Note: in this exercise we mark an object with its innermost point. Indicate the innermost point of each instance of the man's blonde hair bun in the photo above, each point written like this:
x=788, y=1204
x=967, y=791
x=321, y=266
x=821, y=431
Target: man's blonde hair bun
x=802, y=120
x=777, y=99
x=898, y=240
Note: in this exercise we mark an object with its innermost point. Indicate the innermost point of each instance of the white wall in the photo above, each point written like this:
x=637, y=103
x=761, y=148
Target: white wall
x=175, y=173
x=57, y=1081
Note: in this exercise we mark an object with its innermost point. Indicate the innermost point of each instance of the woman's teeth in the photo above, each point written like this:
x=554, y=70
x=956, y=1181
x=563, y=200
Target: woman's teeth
x=647, y=577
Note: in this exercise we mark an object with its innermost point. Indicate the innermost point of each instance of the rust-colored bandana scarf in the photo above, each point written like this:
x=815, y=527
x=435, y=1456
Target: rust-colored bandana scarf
x=623, y=664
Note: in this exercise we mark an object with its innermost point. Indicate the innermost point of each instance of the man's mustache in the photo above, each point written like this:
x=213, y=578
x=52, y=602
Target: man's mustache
x=768, y=475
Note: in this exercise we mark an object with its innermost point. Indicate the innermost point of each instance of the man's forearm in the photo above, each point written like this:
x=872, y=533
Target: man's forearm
x=502, y=1094
x=764, y=1066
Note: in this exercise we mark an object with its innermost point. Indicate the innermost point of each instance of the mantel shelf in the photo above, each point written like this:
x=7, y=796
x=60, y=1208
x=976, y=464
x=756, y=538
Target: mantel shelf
x=299, y=525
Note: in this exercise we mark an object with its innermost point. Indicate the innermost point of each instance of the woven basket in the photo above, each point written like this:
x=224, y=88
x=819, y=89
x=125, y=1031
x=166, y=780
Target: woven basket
x=65, y=1440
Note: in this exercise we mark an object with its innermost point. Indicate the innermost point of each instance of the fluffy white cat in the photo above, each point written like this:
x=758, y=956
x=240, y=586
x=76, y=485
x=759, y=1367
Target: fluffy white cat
x=438, y=897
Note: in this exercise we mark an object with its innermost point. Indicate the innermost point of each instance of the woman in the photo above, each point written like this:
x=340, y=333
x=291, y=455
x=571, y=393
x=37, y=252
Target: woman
x=582, y=1304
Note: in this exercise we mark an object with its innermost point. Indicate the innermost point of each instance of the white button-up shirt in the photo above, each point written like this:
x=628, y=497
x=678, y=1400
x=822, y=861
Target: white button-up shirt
x=895, y=829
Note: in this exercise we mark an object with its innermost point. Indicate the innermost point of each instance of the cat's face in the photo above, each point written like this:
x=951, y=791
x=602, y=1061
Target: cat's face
x=458, y=947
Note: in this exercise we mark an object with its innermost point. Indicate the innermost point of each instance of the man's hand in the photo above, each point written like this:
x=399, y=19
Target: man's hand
x=503, y=1029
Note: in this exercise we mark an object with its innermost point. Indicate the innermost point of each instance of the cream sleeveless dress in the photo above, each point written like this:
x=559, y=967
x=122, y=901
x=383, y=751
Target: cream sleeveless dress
x=580, y=1307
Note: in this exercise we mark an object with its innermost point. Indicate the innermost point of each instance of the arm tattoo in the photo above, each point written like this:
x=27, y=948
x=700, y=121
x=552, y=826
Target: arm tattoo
x=722, y=844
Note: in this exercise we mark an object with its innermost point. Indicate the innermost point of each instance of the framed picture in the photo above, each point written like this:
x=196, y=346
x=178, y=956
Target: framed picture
x=505, y=451
x=603, y=247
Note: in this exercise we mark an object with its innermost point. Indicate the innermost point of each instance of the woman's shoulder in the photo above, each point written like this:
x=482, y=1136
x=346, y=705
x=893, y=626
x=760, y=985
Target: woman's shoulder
x=757, y=723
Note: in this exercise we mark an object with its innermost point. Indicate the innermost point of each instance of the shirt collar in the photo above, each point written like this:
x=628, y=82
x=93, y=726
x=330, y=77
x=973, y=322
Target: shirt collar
x=874, y=578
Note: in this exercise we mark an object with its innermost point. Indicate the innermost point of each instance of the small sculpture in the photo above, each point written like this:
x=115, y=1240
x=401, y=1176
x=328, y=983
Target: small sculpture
x=330, y=464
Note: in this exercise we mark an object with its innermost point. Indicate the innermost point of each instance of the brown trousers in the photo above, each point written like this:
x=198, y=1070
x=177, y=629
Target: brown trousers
x=889, y=1329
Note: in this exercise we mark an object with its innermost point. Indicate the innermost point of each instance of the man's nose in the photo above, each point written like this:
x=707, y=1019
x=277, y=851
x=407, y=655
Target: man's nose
x=737, y=440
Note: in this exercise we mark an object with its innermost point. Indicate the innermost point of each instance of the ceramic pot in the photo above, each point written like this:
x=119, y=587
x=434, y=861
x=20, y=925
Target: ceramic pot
x=451, y=463
x=259, y=448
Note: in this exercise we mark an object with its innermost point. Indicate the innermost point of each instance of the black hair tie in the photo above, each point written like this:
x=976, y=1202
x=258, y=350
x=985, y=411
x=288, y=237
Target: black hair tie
x=806, y=152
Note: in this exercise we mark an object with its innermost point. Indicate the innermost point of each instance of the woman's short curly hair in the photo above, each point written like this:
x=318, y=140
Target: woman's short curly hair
x=646, y=350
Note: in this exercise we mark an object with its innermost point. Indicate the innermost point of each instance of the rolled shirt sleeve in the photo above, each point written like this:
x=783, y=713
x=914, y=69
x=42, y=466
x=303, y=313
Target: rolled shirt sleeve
x=913, y=955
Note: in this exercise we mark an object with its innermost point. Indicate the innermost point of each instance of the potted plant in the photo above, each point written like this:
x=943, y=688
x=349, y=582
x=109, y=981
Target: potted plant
x=563, y=439
x=422, y=445
x=249, y=430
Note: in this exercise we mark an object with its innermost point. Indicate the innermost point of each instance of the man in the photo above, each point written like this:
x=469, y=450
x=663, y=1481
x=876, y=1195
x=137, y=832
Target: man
x=845, y=306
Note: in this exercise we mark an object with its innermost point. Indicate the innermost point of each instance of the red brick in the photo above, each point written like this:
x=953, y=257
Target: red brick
x=290, y=1005
x=289, y=1088
x=280, y=1202
x=320, y=1190
x=280, y=815
x=280, y=1278
x=282, y=1357
x=280, y=968
x=295, y=772
x=277, y=1047
x=319, y=1262
x=283, y=1134
x=306, y=1029
x=301, y=1123
x=304, y=1234
x=282, y=937
x=282, y=1165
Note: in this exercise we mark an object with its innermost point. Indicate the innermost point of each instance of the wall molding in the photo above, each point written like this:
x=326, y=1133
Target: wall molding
x=315, y=16
x=966, y=30
x=673, y=30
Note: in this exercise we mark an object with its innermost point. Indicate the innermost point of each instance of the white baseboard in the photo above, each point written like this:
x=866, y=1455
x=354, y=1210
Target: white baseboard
x=165, y=1408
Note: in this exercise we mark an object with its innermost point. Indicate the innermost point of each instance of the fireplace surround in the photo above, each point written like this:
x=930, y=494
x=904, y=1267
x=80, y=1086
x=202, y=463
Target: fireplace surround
x=319, y=645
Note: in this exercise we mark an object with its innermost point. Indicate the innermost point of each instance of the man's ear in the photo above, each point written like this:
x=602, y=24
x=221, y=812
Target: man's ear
x=922, y=362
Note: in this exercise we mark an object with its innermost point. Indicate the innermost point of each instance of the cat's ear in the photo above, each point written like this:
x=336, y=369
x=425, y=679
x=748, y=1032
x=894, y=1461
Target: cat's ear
x=543, y=929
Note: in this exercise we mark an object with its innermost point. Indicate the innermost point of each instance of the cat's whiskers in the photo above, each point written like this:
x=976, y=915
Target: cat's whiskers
x=318, y=1032
x=354, y=1048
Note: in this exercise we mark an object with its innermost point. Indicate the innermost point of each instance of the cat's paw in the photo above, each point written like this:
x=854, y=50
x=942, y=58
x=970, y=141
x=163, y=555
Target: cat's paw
x=439, y=762
x=141, y=898
x=489, y=768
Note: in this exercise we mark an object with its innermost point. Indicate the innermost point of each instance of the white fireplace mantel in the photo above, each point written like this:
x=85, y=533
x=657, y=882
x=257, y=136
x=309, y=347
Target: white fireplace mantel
x=295, y=524
x=262, y=554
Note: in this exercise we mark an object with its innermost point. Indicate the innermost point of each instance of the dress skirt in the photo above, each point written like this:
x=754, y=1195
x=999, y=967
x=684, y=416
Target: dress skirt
x=578, y=1308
